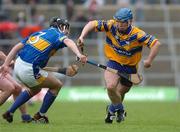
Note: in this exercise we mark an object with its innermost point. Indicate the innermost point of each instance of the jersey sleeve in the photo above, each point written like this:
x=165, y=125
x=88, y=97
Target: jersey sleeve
x=102, y=25
x=24, y=40
x=61, y=39
x=146, y=39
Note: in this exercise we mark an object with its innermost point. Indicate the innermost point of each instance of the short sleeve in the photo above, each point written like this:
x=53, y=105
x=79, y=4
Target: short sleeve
x=102, y=25
x=146, y=39
x=24, y=40
x=61, y=38
x=60, y=41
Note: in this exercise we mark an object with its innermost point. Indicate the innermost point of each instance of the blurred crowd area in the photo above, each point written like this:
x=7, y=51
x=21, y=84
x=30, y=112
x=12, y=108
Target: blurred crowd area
x=86, y=1
x=20, y=18
x=18, y=24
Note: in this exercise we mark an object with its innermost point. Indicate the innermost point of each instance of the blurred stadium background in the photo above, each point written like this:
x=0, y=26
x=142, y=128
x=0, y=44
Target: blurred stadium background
x=161, y=83
x=158, y=17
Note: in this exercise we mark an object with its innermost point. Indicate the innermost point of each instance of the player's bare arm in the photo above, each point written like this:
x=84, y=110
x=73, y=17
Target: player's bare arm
x=12, y=54
x=5, y=67
x=2, y=56
x=88, y=27
x=153, y=52
x=74, y=48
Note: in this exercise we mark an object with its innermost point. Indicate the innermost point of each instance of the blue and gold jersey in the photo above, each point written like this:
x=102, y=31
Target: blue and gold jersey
x=126, y=48
x=40, y=46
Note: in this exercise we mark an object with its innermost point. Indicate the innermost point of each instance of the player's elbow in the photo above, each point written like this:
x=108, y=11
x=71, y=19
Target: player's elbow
x=156, y=45
x=91, y=24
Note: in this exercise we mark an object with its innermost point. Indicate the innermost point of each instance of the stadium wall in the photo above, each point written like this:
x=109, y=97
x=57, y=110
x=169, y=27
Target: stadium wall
x=95, y=93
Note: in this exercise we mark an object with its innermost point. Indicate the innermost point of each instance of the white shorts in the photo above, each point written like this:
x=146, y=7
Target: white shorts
x=23, y=73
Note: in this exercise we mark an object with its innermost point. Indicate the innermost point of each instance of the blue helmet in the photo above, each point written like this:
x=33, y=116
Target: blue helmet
x=123, y=14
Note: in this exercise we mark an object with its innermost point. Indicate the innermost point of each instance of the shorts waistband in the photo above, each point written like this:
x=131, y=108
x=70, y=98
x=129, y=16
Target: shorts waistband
x=23, y=62
x=122, y=68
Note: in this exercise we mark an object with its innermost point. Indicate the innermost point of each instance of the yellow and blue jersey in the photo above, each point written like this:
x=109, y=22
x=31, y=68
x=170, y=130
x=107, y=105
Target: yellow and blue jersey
x=125, y=49
x=40, y=46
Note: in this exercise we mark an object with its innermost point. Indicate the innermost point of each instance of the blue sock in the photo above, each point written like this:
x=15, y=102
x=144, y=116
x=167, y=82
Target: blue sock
x=114, y=107
x=26, y=117
x=47, y=102
x=21, y=99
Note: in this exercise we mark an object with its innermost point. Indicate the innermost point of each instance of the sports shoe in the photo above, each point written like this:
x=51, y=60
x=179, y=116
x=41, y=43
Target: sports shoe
x=26, y=118
x=109, y=116
x=121, y=114
x=40, y=119
x=8, y=116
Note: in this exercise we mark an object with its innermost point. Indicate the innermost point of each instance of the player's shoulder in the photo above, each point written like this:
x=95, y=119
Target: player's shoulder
x=138, y=31
x=54, y=31
x=51, y=30
x=111, y=22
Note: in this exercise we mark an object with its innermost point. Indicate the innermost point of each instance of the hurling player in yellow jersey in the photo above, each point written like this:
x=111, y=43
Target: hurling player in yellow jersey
x=123, y=49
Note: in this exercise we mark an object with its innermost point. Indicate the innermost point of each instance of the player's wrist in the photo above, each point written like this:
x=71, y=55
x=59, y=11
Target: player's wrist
x=149, y=60
x=79, y=55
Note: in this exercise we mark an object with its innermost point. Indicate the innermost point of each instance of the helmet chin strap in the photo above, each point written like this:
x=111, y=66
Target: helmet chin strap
x=63, y=29
x=59, y=29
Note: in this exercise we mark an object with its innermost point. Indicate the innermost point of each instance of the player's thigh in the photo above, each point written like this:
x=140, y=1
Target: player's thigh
x=15, y=84
x=50, y=82
x=111, y=79
x=6, y=85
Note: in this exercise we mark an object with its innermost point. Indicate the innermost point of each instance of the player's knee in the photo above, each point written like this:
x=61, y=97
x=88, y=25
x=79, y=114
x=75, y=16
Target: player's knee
x=55, y=90
x=17, y=90
x=58, y=85
x=110, y=86
x=10, y=88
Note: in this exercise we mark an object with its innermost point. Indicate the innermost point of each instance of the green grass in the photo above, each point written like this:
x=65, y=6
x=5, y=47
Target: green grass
x=89, y=117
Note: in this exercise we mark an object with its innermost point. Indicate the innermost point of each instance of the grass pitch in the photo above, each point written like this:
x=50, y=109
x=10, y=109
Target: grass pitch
x=89, y=117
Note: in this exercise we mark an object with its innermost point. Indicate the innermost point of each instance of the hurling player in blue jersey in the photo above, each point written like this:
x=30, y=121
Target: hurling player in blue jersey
x=33, y=55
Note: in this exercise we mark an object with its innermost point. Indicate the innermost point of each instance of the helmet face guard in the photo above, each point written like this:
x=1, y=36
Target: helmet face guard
x=61, y=24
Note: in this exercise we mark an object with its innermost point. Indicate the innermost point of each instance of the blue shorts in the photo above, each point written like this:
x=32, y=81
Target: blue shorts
x=123, y=69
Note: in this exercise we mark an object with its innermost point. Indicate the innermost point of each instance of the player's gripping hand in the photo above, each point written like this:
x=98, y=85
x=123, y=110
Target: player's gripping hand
x=147, y=63
x=72, y=70
x=82, y=58
x=80, y=44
